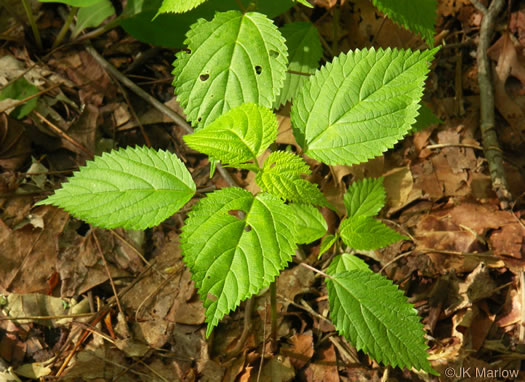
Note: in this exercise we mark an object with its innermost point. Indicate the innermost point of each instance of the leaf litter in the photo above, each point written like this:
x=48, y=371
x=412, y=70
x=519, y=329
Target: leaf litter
x=461, y=267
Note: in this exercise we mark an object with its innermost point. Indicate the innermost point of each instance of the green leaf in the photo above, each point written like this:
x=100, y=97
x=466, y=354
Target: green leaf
x=360, y=105
x=326, y=243
x=425, y=118
x=418, y=19
x=235, y=244
x=73, y=3
x=365, y=197
x=133, y=188
x=240, y=135
x=93, y=16
x=281, y=176
x=347, y=262
x=374, y=315
x=168, y=29
x=178, y=6
x=304, y=53
x=305, y=3
x=365, y=233
x=310, y=224
x=234, y=59
x=19, y=90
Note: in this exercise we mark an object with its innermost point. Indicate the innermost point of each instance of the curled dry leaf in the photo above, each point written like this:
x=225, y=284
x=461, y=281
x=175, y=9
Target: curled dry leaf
x=510, y=63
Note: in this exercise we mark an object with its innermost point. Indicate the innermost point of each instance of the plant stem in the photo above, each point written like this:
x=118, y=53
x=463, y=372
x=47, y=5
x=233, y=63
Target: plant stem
x=103, y=29
x=32, y=22
x=65, y=27
x=273, y=307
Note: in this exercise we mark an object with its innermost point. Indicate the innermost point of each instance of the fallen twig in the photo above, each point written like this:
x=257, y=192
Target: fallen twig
x=493, y=153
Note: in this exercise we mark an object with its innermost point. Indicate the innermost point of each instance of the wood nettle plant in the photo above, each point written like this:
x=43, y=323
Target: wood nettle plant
x=235, y=69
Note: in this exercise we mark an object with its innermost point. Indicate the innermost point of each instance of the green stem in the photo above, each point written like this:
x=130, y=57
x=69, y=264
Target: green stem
x=273, y=307
x=34, y=27
x=97, y=32
x=65, y=27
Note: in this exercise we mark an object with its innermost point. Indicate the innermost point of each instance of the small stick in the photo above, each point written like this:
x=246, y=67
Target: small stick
x=58, y=317
x=316, y=270
x=493, y=154
x=273, y=315
x=62, y=134
x=135, y=116
x=22, y=101
x=117, y=300
x=138, y=91
x=443, y=145
x=245, y=330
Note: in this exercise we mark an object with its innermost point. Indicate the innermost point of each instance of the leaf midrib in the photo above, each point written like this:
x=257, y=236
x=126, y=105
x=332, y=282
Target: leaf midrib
x=329, y=76
x=362, y=306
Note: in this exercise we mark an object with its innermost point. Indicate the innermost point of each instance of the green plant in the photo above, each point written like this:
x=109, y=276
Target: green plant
x=233, y=71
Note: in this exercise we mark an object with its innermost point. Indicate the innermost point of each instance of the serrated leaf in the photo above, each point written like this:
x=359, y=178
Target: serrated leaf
x=425, y=118
x=178, y=6
x=304, y=53
x=240, y=135
x=235, y=244
x=374, y=315
x=346, y=262
x=93, y=16
x=326, y=244
x=365, y=197
x=133, y=188
x=420, y=19
x=365, y=233
x=310, y=224
x=281, y=176
x=360, y=105
x=234, y=59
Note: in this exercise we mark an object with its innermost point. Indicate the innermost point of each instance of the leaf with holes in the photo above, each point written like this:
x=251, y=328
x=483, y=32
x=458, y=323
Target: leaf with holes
x=234, y=59
x=420, y=19
x=374, y=315
x=235, y=244
x=304, y=53
x=240, y=135
x=281, y=176
x=365, y=233
x=365, y=197
x=133, y=188
x=310, y=224
x=360, y=105
x=178, y=6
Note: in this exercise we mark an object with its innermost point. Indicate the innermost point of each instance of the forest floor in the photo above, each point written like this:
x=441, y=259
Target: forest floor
x=461, y=267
